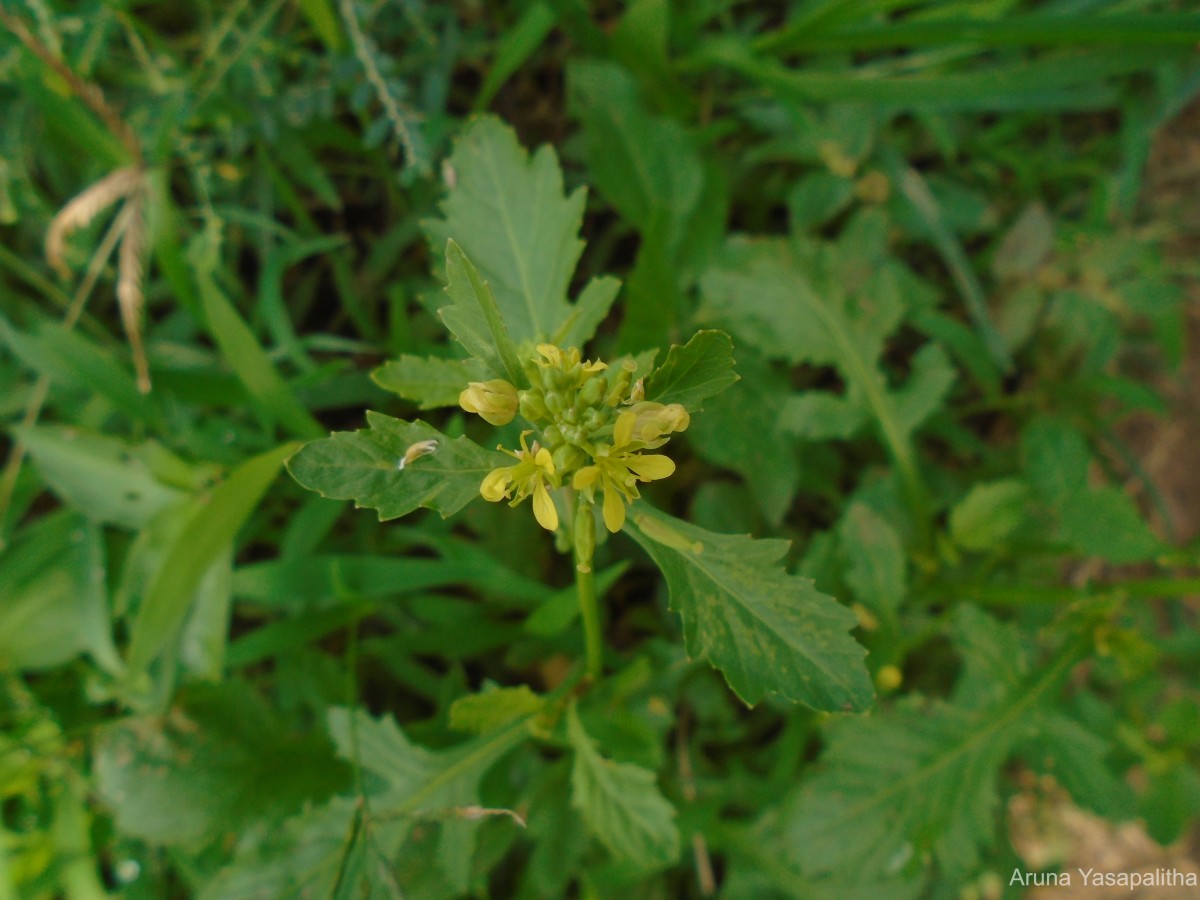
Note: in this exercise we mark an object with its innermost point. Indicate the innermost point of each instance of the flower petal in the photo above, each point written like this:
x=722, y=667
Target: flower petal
x=614, y=510
x=543, y=508
x=650, y=468
x=623, y=430
x=586, y=478
x=495, y=484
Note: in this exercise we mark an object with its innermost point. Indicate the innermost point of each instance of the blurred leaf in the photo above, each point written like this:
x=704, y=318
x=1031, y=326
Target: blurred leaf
x=492, y=709
x=820, y=416
x=767, y=631
x=209, y=532
x=430, y=382
x=54, y=594
x=514, y=47
x=242, y=350
x=816, y=198
x=877, y=569
x=1025, y=245
x=691, y=374
x=1104, y=522
x=912, y=786
x=103, y=477
x=217, y=762
x=989, y=514
x=745, y=429
x=363, y=466
x=419, y=783
x=621, y=804
x=330, y=851
x=1055, y=459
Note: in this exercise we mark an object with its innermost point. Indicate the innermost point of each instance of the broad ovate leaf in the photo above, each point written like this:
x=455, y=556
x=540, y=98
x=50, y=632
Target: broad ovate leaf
x=364, y=466
x=769, y=632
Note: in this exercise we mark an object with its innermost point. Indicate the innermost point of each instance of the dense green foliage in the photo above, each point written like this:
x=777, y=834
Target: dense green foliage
x=887, y=264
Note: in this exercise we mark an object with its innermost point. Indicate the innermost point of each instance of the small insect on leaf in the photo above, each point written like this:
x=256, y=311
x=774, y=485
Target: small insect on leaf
x=416, y=451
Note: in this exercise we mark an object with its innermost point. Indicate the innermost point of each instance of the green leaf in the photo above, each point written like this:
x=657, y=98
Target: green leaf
x=491, y=710
x=103, y=477
x=475, y=319
x=331, y=851
x=989, y=514
x=1055, y=457
x=821, y=416
x=621, y=804
x=743, y=430
x=647, y=166
x=216, y=764
x=418, y=783
x=932, y=376
x=55, y=599
x=1106, y=523
x=68, y=358
x=768, y=632
x=595, y=300
x=363, y=466
x=700, y=369
x=806, y=302
x=208, y=533
x=911, y=786
x=241, y=349
x=430, y=382
x=877, y=570
x=817, y=198
x=508, y=213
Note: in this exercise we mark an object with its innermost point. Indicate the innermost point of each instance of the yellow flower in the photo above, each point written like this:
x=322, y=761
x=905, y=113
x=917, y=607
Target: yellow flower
x=495, y=400
x=533, y=473
x=645, y=425
x=617, y=470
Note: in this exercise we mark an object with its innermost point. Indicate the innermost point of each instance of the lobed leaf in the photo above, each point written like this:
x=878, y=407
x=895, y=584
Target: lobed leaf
x=475, y=319
x=701, y=368
x=621, y=804
x=363, y=466
x=431, y=381
x=508, y=212
x=913, y=785
x=767, y=631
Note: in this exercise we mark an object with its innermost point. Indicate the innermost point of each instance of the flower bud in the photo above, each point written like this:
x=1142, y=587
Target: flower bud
x=495, y=401
x=555, y=402
x=593, y=390
x=532, y=406
x=620, y=384
x=568, y=457
x=570, y=415
x=552, y=436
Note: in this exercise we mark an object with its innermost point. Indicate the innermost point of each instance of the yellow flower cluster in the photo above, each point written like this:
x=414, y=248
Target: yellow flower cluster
x=593, y=426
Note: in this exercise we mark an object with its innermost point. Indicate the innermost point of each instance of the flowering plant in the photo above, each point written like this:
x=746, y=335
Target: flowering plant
x=590, y=435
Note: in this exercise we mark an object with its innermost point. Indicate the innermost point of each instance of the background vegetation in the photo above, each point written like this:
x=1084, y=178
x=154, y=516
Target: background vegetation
x=946, y=240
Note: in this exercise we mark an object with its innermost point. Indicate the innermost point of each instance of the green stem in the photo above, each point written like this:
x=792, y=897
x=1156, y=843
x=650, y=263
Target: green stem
x=584, y=539
x=589, y=610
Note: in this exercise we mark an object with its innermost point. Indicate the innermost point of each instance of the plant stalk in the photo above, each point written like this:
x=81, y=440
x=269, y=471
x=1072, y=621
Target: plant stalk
x=584, y=539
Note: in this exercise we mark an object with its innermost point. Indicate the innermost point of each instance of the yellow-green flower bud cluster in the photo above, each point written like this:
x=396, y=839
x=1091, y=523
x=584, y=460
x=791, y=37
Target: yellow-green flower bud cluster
x=592, y=423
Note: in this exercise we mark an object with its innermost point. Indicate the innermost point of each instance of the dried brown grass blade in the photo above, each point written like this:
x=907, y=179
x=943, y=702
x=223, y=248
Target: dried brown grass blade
x=131, y=274
x=84, y=207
